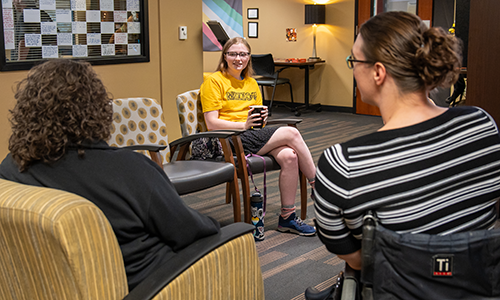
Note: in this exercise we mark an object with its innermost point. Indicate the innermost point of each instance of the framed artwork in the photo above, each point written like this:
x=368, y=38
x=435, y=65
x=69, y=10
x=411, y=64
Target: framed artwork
x=253, y=29
x=253, y=13
x=291, y=35
x=100, y=32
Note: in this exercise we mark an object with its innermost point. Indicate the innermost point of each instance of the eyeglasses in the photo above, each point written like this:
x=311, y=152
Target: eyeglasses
x=350, y=60
x=240, y=54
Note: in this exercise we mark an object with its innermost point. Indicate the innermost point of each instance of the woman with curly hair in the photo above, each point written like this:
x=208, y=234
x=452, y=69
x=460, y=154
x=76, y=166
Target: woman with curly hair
x=429, y=169
x=60, y=126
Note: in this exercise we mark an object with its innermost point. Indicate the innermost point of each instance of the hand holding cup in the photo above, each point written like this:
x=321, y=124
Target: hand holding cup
x=259, y=111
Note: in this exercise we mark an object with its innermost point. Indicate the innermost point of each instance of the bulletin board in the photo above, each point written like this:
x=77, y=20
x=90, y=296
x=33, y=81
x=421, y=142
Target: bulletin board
x=98, y=31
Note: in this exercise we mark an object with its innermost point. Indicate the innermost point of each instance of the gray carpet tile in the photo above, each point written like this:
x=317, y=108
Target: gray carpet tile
x=290, y=263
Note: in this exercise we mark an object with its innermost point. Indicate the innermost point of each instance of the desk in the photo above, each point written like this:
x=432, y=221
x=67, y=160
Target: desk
x=306, y=66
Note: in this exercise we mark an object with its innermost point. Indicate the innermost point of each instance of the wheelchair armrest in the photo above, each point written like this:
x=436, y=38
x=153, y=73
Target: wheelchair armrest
x=185, y=258
x=289, y=122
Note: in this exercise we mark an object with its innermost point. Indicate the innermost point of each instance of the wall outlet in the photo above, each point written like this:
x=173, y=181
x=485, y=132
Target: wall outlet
x=183, y=32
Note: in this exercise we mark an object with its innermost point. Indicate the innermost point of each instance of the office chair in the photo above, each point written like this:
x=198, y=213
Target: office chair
x=138, y=123
x=58, y=245
x=263, y=66
x=462, y=265
x=192, y=121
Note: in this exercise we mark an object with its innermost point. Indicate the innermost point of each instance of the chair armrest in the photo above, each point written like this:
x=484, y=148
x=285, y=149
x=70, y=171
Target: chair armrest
x=216, y=134
x=289, y=122
x=155, y=282
x=154, y=148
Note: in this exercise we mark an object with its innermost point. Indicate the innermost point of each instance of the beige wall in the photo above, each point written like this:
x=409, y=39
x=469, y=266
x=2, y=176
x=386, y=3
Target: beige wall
x=175, y=66
x=330, y=83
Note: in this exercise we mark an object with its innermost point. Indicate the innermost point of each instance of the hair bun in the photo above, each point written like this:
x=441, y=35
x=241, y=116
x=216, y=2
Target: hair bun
x=438, y=59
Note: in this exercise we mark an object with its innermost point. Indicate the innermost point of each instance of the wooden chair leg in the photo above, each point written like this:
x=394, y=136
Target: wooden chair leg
x=228, y=192
x=303, y=196
x=235, y=191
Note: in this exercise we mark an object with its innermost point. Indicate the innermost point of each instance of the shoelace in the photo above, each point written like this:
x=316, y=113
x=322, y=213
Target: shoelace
x=299, y=221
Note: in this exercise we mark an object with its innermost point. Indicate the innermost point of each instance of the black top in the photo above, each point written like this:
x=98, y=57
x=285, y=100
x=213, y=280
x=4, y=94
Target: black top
x=150, y=220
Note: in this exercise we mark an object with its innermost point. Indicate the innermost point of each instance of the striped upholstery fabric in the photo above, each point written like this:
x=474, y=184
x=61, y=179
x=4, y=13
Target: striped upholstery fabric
x=190, y=113
x=138, y=121
x=56, y=245
x=232, y=271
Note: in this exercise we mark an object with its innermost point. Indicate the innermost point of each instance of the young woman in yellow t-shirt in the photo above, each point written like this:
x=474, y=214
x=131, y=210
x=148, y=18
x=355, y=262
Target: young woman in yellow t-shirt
x=226, y=99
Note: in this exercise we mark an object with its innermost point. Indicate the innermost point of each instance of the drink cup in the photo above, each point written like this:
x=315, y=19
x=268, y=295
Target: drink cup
x=257, y=109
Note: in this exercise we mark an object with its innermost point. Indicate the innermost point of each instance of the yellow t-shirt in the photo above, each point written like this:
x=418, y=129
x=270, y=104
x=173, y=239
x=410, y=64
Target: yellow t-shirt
x=230, y=96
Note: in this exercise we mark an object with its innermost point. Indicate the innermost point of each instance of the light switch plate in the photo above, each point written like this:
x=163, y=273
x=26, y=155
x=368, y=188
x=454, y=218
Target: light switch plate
x=183, y=32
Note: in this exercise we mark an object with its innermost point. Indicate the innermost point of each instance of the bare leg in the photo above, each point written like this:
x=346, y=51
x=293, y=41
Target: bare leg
x=289, y=174
x=291, y=152
x=290, y=137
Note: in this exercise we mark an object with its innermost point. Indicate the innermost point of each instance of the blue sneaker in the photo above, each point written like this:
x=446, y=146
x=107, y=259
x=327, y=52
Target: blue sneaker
x=294, y=224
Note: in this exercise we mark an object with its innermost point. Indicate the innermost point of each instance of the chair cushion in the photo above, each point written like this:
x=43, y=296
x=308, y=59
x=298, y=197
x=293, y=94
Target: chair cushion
x=256, y=164
x=190, y=176
x=270, y=81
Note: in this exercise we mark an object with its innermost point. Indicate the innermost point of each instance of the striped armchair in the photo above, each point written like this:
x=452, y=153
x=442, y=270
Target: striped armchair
x=57, y=245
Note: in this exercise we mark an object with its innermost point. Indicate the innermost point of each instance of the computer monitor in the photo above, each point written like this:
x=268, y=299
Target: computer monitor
x=218, y=31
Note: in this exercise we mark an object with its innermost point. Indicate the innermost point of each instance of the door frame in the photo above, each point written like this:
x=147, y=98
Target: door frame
x=364, y=10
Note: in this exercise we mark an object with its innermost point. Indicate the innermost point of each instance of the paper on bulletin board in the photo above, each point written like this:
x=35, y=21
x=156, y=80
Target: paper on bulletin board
x=48, y=27
x=8, y=18
x=50, y=52
x=93, y=16
x=47, y=5
x=63, y=15
x=6, y=3
x=134, y=49
x=80, y=51
x=78, y=5
x=106, y=5
x=132, y=5
x=93, y=38
x=8, y=36
x=33, y=40
x=31, y=15
x=134, y=27
x=120, y=16
x=121, y=38
x=107, y=50
x=107, y=27
x=64, y=39
x=79, y=27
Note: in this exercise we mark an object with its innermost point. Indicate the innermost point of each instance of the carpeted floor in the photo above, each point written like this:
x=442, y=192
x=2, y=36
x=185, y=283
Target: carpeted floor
x=291, y=263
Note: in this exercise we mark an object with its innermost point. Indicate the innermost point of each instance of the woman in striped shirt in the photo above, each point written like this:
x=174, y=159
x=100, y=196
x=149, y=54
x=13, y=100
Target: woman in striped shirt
x=429, y=169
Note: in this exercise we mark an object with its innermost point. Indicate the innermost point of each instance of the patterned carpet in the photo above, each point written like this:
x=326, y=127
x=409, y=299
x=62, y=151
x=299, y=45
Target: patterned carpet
x=291, y=263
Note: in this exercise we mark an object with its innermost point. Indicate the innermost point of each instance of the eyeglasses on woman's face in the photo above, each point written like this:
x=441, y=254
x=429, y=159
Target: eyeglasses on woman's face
x=350, y=61
x=236, y=54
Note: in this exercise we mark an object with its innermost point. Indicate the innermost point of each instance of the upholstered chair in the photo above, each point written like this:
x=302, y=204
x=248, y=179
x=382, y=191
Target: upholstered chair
x=138, y=124
x=58, y=245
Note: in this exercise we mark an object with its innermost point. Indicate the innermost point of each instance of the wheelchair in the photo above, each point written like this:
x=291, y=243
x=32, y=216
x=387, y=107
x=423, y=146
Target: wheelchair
x=406, y=266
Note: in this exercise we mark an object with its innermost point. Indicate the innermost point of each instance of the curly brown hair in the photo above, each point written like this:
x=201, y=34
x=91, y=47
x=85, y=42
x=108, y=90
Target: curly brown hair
x=60, y=103
x=417, y=57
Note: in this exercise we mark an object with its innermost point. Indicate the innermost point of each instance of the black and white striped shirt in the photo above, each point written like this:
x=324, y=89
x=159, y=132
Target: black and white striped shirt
x=438, y=177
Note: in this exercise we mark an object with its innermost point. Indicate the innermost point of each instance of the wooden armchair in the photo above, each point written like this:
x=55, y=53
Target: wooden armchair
x=192, y=122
